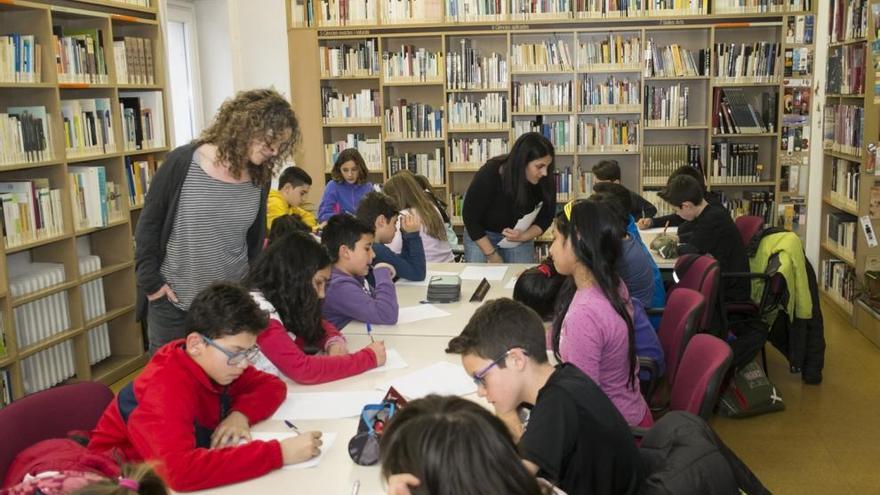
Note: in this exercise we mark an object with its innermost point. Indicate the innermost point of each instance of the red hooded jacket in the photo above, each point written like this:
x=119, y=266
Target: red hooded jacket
x=173, y=395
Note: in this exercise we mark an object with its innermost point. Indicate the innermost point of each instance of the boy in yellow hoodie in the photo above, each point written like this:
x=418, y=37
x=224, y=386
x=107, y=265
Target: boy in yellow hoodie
x=293, y=185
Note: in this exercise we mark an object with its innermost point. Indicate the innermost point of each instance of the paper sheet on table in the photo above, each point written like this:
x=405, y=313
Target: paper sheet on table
x=393, y=361
x=489, y=272
x=325, y=405
x=328, y=438
x=522, y=225
x=440, y=378
x=511, y=283
x=425, y=282
x=659, y=230
x=420, y=312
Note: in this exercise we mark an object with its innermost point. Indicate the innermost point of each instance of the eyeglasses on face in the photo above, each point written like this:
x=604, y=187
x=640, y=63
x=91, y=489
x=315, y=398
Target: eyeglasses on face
x=235, y=358
x=479, y=376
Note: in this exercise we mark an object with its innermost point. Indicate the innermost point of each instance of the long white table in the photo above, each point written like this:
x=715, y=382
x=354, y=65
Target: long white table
x=420, y=343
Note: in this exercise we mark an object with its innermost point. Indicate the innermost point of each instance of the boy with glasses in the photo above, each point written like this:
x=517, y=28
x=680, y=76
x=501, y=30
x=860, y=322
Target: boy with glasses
x=191, y=408
x=574, y=436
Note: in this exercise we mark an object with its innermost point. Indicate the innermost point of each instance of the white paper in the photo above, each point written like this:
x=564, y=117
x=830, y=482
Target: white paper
x=393, y=361
x=326, y=405
x=489, y=272
x=659, y=230
x=419, y=312
x=327, y=439
x=522, y=225
x=440, y=378
x=511, y=283
x=425, y=282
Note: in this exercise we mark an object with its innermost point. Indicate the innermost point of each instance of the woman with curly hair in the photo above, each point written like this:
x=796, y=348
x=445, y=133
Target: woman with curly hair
x=204, y=217
x=288, y=281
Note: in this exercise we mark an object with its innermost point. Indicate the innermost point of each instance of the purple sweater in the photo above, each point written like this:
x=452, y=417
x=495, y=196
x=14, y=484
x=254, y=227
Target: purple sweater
x=594, y=338
x=347, y=300
x=341, y=197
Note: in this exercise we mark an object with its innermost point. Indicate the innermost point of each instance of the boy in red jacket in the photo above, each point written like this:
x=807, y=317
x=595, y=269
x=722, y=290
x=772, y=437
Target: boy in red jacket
x=194, y=402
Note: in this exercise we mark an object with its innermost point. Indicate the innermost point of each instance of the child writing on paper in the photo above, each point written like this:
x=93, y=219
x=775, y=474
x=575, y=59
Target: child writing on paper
x=197, y=397
x=349, y=295
x=449, y=445
x=404, y=189
x=575, y=437
x=288, y=281
x=381, y=211
x=293, y=185
x=349, y=185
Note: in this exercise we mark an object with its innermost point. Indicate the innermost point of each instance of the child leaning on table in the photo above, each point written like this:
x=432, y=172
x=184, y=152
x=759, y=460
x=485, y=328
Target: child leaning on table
x=287, y=281
x=350, y=296
x=194, y=402
x=574, y=436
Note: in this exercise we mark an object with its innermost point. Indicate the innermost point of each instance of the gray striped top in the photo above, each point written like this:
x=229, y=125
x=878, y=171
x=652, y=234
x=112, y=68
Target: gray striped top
x=208, y=241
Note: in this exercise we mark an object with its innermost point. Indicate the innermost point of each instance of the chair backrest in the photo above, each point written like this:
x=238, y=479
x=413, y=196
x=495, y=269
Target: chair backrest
x=703, y=366
x=49, y=414
x=748, y=226
x=678, y=325
x=702, y=274
x=710, y=320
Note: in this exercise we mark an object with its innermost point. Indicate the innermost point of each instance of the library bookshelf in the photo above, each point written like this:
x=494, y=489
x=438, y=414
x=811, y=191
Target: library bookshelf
x=851, y=131
x=490, y=76
x=79, y=138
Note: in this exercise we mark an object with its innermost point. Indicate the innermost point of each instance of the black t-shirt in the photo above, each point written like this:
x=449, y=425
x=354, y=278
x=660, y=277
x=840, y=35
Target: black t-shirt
x=713, y=232
x=488, y=208
x=578, y=438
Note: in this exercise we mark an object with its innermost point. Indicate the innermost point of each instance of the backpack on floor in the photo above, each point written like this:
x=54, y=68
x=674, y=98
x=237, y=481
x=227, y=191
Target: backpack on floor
x=750, y=393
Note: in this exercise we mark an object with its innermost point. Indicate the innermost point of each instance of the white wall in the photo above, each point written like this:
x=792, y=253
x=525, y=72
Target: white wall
x=259, y=45
x=215, y=54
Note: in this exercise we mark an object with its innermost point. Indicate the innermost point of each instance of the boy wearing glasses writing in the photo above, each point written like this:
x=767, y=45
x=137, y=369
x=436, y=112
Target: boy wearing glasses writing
x=195, y=400
x=574, y=436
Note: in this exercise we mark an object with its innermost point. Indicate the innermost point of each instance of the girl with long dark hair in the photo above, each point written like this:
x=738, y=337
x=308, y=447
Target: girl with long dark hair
x=594, y=325
x=505, y=189
x=288, y=281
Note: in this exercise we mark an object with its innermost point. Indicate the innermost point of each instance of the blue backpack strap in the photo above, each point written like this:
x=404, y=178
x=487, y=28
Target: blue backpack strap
x=126, y=401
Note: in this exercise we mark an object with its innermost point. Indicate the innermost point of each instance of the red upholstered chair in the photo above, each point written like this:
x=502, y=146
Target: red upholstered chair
x=700, y=373
x=49, y=414
x=678, y=325
x=748, y=226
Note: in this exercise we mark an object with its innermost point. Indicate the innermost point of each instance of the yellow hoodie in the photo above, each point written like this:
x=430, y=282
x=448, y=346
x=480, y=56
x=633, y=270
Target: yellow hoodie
x=277, y=206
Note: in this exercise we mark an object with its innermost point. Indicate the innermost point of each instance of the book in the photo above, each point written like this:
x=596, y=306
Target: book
x=475, y=151
x=347, y=60
x=430, y=165
x=25, y=135
x=468, y=68
x=560, y=130
x=474, y=112
x=542, y=96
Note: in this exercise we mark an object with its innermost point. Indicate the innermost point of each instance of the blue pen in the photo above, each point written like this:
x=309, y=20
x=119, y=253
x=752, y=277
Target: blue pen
x=291, y=426
x=370, y=332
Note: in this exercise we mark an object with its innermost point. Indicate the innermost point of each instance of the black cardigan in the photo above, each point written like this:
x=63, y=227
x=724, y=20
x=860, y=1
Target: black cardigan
x=157, y=219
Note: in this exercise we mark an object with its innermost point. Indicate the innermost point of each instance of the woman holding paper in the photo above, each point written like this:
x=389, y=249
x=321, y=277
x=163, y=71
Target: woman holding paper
x=510, y=202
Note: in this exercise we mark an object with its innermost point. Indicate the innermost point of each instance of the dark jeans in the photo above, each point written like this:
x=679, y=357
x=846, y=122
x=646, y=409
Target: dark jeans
x=165, y=322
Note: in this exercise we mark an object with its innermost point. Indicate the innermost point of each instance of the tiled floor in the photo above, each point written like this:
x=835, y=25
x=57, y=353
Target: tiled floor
x=827, y=441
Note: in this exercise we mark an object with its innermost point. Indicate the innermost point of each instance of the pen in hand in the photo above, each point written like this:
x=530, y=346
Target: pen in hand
x=291, y=426
x=370, y=332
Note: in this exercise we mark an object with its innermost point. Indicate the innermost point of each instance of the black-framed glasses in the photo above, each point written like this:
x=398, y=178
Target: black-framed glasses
x=480, y=375
x=235, y=358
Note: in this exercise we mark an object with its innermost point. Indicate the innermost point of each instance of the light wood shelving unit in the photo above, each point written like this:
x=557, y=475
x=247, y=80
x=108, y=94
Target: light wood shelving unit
x=842, y=268
x=695, y=30
x=113, y=243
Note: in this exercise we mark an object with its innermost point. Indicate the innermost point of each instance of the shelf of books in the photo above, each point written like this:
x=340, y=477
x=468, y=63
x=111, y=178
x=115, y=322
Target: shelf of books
x=82, y=130
x=851, y=190
x=725, y=86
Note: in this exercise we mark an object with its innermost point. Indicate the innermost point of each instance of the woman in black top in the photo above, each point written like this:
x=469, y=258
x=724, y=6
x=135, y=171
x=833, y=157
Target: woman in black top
x=504, y=190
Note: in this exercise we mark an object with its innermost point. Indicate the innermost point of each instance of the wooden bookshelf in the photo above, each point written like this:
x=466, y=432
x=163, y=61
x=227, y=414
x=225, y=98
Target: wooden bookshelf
x=500, y=35
x=73, y=347
x=842, y=286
